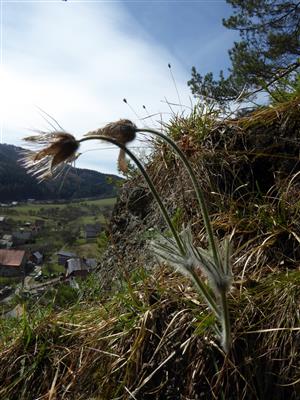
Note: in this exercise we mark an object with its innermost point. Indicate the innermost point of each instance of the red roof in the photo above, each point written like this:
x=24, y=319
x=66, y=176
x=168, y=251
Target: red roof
x=11, y=258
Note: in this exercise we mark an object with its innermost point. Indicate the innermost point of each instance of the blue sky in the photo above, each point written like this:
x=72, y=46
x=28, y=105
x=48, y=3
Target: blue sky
x=77, y=60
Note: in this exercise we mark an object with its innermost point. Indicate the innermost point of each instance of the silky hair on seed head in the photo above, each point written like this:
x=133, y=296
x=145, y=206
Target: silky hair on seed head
x=123, y=131
x=59, y=148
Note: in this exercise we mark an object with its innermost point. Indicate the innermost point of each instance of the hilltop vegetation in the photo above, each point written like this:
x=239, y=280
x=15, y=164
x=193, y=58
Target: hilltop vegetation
x=140, y=330
x=17, y=185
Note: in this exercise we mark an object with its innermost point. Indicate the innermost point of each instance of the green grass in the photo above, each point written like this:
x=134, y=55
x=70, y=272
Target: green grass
x=52, y=268
x=9, y=281
x=89, y=250
x=22, y=218
x=71, y=215
x=90, y=220
x=100, y=202
x=25, y=210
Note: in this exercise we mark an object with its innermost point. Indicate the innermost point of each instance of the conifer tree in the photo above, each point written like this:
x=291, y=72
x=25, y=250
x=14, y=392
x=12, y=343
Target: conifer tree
x=268, y=49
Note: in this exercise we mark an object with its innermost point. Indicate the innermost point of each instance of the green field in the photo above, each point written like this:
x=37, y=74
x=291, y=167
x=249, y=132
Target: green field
x=64, y=225
x=89, y=211
x=26, y=208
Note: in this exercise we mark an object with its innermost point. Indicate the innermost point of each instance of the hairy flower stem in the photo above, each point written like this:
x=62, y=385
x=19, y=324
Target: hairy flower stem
x=149, y=182
x=202, y=288
x=197, y=188
x=223, y=312
x=225, y=322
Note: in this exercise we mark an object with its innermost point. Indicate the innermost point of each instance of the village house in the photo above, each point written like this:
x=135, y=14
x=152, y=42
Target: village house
x=37, y=257
x=63, y=256
x=91, y=231
x=91, y=263
x=20, y=238
x=78, y=268
x=75, y=268
x=12, y=262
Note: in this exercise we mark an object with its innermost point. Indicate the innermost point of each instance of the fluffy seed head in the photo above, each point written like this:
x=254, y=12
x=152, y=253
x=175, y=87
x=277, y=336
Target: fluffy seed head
x=123, y=131
x=57, y=149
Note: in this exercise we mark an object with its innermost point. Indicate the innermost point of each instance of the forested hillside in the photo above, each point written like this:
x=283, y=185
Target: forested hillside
x=16, y=184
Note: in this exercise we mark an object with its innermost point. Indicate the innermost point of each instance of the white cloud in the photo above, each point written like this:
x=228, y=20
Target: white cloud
x=77, y=61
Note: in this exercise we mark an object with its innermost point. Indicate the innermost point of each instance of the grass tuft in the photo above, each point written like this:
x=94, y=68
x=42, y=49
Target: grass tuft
x=150, y=336
x=154, y=339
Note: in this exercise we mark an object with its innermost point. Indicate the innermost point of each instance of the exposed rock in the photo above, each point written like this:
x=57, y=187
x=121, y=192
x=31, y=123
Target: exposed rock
x=248, y=171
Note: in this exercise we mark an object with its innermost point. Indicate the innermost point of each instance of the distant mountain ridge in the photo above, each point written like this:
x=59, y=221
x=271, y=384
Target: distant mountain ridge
x=17, y=185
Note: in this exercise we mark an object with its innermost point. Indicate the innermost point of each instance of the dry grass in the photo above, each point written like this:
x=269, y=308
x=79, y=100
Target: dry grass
x=151, y=337
x=154, y=340
x=249, y=171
